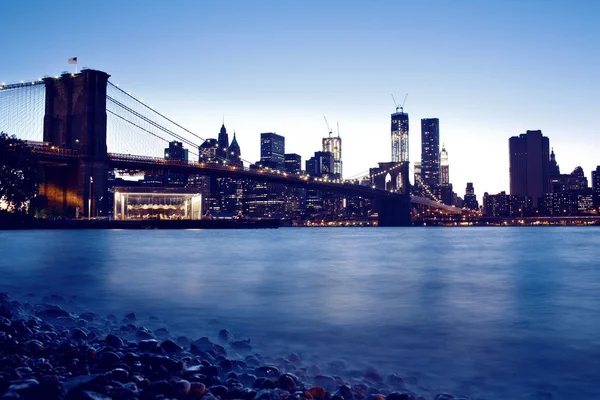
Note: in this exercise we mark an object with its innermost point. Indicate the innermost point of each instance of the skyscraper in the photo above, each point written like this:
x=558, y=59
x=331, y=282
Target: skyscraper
x=320, y=165
x=596, y=180
x=529, y=165
x=430, y=151
x=399, y=136
x=272, y=149
x=333, y=145
x=234, y=153
x=418, y=172
x=176, y=152
x=470, y=197
x=223, y=143
x=445, y=167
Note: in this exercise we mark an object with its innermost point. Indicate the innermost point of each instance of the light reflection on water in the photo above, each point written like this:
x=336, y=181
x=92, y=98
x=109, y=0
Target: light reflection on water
x=484, y=311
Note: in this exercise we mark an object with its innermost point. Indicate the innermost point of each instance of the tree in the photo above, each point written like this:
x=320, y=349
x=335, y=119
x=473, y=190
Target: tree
x=20, y=172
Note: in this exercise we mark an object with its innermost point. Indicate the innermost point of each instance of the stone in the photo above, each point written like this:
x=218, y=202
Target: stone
x=225, y=336
x=161, y=333
x=373, y=375
x=88, y=316
x=182, y=341
x=345, y=392
x=399, y=396
x=266, y=394
x=241, y=345
x=324, y=381
x=131, y=317
x=78, y=333
x=143, y=334
x=286, y=382
x=113, y=341
x=91, y=395
x=119, y=375
x=108, y=359
x=202, y=344
x=294, y=358
x=267, y=371
x=247, y=379
x=197, y=389
x=395, y=380
x=148, y=345
x=182, y=388
x=218, y=390
x=318, y=392
x=170, y=346
x=444, y=396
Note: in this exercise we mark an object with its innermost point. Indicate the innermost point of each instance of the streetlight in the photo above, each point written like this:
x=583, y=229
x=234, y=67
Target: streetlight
x=90, y=199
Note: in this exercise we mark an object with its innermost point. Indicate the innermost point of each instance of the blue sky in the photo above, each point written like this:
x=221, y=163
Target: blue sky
x=488, y=69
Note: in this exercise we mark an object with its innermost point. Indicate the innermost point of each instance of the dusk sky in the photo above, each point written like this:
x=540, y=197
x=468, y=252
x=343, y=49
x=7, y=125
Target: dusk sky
x=487, y=69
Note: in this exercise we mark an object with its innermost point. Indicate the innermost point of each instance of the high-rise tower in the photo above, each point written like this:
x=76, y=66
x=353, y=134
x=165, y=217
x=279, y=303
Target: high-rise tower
x=399, y=136
x=445, y=167
x=529, y=165
x=333, y=145
x=223, y=142
x=430, y=151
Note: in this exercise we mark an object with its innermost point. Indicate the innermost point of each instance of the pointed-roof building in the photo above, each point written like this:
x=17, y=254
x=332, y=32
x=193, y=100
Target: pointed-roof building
x=235, y=152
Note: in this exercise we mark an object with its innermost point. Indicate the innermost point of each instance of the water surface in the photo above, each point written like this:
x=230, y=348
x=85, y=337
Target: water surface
x=510, y=313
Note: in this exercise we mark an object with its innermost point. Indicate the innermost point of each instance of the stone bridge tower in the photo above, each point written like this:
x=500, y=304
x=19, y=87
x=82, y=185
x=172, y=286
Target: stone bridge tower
x=75, y=118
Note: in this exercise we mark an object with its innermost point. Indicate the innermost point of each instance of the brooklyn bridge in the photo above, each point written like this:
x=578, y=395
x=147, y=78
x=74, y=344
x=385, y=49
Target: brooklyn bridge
x=73, y=121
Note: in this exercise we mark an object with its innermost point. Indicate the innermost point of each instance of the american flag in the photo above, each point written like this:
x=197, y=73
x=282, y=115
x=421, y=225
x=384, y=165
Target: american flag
x=73, y=60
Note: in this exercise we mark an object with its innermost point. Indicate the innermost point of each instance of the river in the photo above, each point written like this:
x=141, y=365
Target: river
x=493, y=313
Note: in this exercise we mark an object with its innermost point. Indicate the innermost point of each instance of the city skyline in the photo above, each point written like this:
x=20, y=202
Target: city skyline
x=484, y=87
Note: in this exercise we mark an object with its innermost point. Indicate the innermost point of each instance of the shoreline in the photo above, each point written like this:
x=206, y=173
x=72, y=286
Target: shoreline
x=52, y=353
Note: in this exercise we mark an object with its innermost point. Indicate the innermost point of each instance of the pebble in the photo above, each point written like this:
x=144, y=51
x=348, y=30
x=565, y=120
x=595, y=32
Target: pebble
x=58, y=355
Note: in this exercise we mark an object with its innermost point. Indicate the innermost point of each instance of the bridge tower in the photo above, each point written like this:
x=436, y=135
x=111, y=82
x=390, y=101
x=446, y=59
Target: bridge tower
x=75, y=118
x=398, y=172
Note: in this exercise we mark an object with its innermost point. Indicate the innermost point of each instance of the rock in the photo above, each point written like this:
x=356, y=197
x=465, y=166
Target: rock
x=147, y=345
x=225, y=336
x=131, y=317
x=197, y=389
x=444, y=396
x=318, y=392
x=113, y=341
x=170, y=346
x=90, y=395
x=88, y=316
x=53, y=313
x=108, y=359
x=395, y=380
x=183, y=341
x=182, y=388
x=160, y=388
x=266, y=394
x=202, y=344
x=119, y=375
x=247, y=379
x=4, y=324
x=324, y=381
x=344, y=392
x=241, y=345
x=218, y=390
x=375, y=397
x=294, y=358
x=143, y=334
x=286, y=382
x=373, y=375
x=266, y=372
x=78, y=333
x=399, y=396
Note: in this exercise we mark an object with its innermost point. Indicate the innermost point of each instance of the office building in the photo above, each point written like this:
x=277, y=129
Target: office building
x=470, y=200
x=293, y=162
x=430, y=152
x=333, y=145
x=506, y=205
x=223, y=144
x=399, y=130
x=176, y=152
x=417, y=173
x=529, y=165
x=272, y=149
x=596, y=187
x=444, y=166
x=320, y=165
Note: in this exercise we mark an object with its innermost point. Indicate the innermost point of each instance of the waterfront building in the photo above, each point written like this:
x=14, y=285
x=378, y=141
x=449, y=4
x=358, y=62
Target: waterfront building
x=596, y=187
x=506, y=205
x=529, y=155
x=470, y=200
x=333, y=145
x=293, y=162
x=234, y=153
x=272, y=149
x=223, y=144
x=399, y=131
x=207, y=152
x=430, y=152
x=156, y=203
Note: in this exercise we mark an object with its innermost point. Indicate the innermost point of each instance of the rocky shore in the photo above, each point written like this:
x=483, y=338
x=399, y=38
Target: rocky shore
x=48, y=352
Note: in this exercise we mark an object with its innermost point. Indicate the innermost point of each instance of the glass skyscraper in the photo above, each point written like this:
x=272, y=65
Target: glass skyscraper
x=430, y=151
x=272, y=149
x=400, y=137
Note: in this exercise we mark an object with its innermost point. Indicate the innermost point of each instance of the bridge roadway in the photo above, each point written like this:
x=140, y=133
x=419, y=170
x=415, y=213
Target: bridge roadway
x=131, y=162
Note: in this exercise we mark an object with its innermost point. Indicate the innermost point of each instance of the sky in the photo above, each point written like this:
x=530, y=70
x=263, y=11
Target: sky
x=487, y=69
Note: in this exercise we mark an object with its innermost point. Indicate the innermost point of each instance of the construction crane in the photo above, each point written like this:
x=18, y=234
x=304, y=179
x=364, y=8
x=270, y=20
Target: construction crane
x=338, y=127
x=401, y=108
x=328, y=129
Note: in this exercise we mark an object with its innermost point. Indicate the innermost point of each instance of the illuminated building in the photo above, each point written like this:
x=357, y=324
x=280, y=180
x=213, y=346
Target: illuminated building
x=444, y=166
x=333, y=145
x=208, y=151
x=399, y=131
x=223, y=143
x=293, y=162
x=430, y=151
x=596, y=187
x=272, y=149
x=529, y=165
x=156, y=203
x=176, y=152
x=321, y=165
x=417, y=172
x=506, y=205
